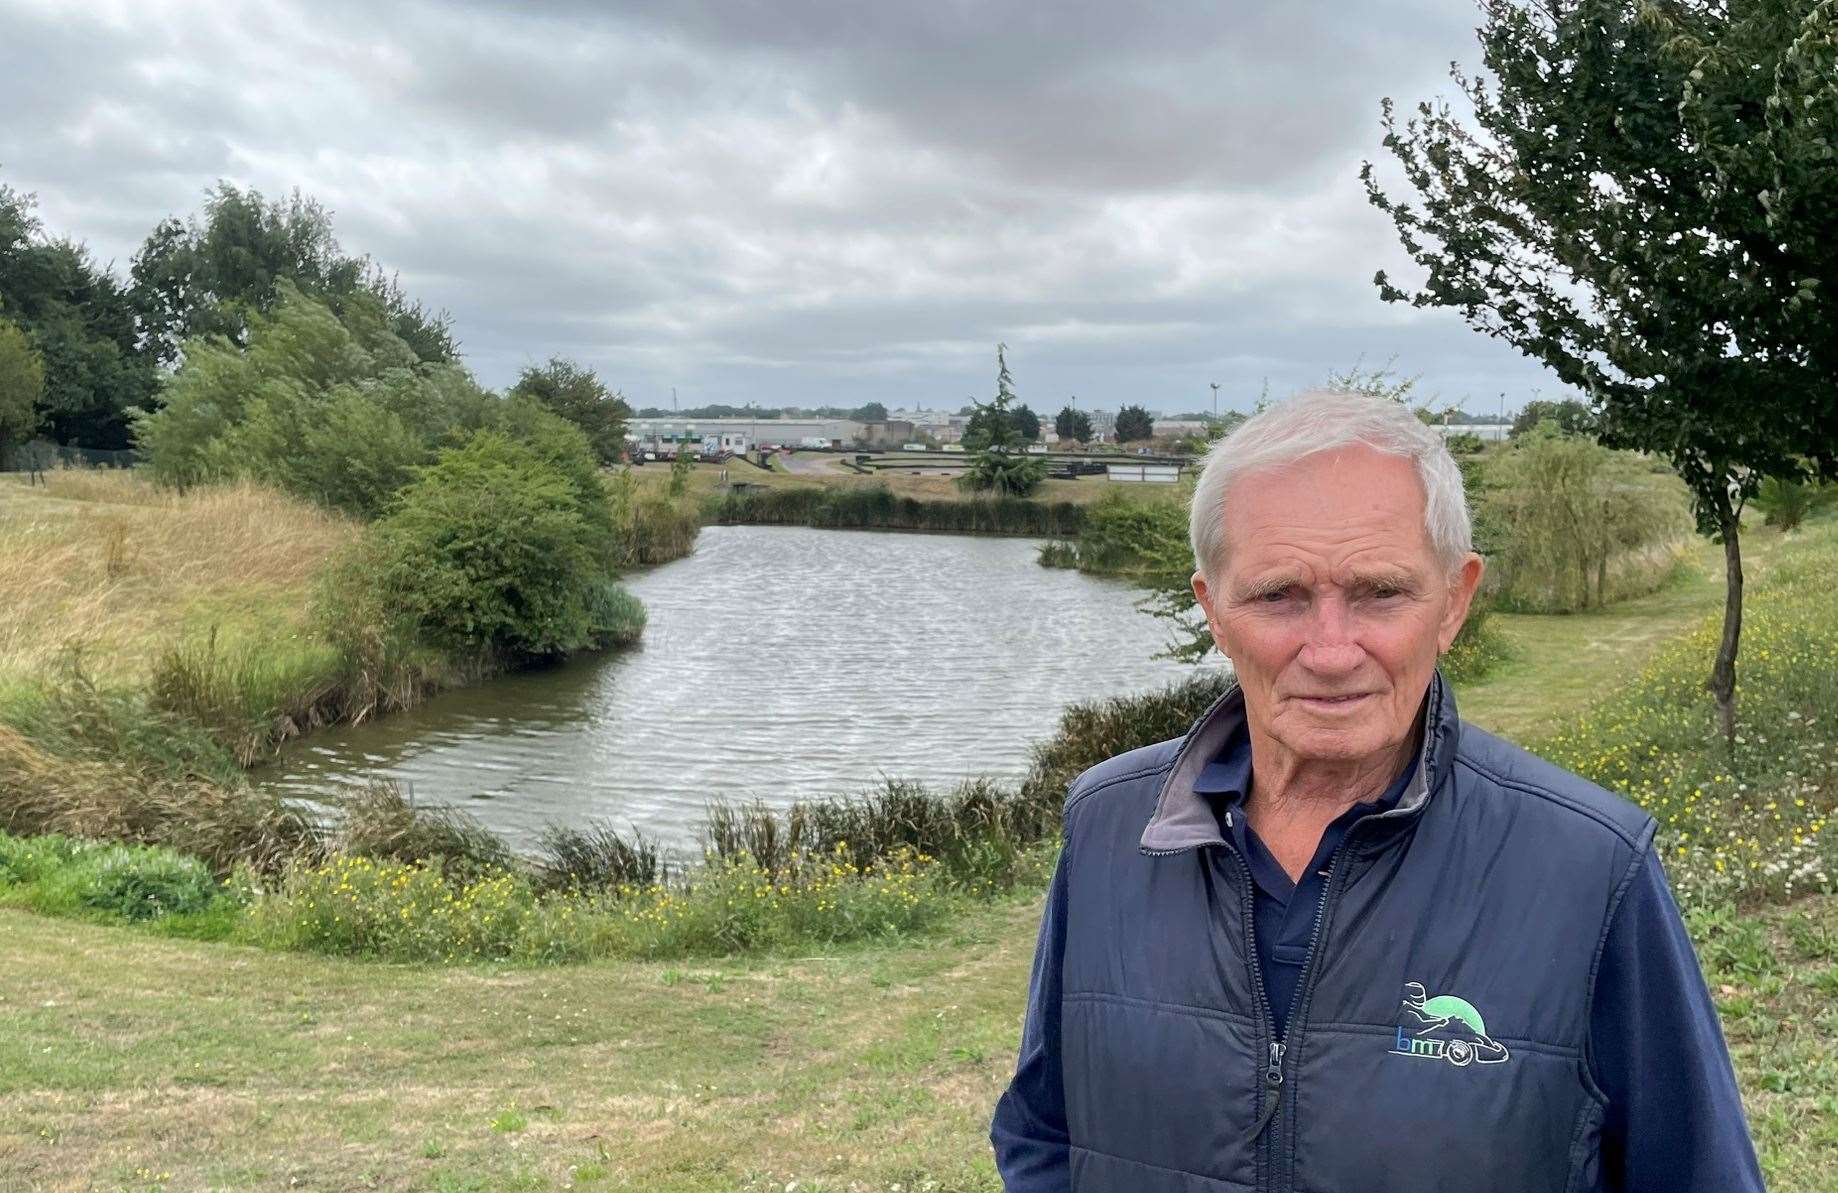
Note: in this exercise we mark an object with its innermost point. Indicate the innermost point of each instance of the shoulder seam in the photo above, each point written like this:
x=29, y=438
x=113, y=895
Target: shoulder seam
x=1633, y=840
x=1078, y=797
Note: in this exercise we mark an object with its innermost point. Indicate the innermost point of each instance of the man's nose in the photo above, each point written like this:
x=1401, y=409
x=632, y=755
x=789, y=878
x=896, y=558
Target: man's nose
x=1330, y=647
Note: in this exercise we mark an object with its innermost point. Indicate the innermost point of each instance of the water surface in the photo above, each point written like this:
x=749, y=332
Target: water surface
x=779, y=662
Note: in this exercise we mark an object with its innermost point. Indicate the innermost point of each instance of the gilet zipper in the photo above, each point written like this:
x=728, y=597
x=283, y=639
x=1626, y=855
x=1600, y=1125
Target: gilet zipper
x=1270, y=1090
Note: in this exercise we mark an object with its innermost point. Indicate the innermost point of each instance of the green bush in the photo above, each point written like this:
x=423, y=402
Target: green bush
x=25, y=860
x=1787, y=503
x=133, y=882
x=489, y=551
x=1127, y=536
x=337, y=410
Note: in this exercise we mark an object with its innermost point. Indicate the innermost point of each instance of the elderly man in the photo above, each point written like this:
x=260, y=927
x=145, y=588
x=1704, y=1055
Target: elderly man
x=1333, y=939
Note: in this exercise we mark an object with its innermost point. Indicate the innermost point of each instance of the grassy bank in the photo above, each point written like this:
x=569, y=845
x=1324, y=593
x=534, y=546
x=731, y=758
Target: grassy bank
x=203, y=603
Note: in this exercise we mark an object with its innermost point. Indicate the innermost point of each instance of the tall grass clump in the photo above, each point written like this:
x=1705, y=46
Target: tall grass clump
x=1754, y=823
x=380, y=822
x=649, y=530
x=596, y=857
x=875, y=506
x=248, y=697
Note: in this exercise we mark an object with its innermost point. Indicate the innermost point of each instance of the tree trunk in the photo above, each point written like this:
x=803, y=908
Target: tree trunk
x=1723, y=675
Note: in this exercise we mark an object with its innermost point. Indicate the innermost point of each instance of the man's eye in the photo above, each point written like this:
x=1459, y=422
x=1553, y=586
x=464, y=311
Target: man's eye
x=1271, y=598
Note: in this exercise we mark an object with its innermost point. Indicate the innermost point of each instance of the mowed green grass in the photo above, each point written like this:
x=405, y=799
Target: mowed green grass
x=129, y=1061
x=132, y=1062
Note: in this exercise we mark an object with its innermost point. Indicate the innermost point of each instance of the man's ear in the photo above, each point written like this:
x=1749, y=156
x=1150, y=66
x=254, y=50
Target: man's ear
x=1204, y=594
x=1462, y=587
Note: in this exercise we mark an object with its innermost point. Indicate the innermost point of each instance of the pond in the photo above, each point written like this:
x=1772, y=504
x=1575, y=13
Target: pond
x=779, y=662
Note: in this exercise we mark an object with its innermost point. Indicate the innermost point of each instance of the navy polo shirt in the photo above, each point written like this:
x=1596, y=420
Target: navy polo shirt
x=1283, y=912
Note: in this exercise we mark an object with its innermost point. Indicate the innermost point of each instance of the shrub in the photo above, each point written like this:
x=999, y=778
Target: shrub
x=25, y=860
x=1787, y=504
x=1058, y=553
x=135, y=883
x=489, y=552
x=335, y=409
x=1130, y=536
x=1573, y=525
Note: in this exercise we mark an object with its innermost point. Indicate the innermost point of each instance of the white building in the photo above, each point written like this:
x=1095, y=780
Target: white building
x=1490, y=432
x=787, y=432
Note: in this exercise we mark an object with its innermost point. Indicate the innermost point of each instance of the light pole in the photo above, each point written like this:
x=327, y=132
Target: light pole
x=1215, y=386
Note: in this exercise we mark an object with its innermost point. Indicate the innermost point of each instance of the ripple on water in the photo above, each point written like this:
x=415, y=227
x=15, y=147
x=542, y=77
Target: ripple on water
x=778, y=662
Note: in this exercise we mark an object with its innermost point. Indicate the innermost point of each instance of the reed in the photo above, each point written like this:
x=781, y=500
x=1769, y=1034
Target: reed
x=875, y=506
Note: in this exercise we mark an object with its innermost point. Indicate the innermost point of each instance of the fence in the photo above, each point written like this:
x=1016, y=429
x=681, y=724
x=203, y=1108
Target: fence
x=38, y=456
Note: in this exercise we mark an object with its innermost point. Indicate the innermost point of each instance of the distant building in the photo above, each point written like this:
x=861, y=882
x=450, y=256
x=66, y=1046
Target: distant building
x=787, y=432
x=1143, y=474
x=1489, y=432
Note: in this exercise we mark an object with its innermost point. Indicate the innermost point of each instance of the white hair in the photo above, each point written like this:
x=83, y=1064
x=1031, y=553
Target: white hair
x=1318, y=421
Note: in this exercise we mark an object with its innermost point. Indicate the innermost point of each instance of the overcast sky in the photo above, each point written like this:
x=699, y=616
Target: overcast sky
x=808, y=203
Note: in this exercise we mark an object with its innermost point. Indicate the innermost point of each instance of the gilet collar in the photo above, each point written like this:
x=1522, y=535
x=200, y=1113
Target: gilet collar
x=1184, y=819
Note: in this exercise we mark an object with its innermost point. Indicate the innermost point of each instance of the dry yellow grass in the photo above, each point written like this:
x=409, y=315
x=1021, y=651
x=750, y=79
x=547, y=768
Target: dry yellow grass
x=104, y=559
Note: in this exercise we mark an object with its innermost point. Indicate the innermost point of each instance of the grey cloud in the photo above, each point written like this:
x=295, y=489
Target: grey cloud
x=818, y=202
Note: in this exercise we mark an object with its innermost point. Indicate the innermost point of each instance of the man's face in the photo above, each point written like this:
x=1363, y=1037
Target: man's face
x=1332, y=604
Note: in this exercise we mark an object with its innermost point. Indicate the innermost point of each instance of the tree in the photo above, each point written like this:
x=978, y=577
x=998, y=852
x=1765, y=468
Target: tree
x=999, y=465
x=80, y=323
x=1649, y=207
x=22, y=380
x=1570, y=415
x=1134, y=422
x=208, y=276
x=1027, y=423
x=1073, y=424
x=577, y=395
x=338, y=414
x=872, y=412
